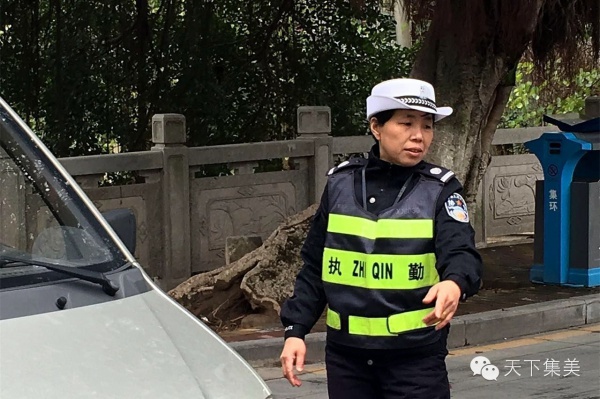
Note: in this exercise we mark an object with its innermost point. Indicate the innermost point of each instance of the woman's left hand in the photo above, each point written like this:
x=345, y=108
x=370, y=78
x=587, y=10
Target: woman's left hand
x=446, y=294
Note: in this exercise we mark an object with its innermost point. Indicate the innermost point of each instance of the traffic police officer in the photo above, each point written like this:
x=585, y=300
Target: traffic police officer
x=391, y=253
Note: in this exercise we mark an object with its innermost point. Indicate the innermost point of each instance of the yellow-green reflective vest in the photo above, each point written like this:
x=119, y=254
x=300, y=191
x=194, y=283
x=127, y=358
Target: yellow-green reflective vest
x=377, y=269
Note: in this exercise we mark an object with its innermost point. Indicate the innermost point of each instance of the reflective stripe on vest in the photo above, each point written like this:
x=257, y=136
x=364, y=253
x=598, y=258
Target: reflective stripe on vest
x=380, y=326
x=378, y=271
x=377, y=268
x=382, y=228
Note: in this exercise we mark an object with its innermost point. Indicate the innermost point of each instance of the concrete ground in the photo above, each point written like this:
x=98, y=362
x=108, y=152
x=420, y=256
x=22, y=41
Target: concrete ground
x=563, y=364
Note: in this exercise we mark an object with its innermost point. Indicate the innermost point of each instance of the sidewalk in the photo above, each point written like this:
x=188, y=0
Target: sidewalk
x=507, y=306
x=518, y=377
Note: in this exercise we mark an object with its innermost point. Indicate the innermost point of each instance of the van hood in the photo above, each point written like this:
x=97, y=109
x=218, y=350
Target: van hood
x=144, y=346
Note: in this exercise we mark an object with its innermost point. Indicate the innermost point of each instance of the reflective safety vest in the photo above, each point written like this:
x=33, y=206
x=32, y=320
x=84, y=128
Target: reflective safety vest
x=378, y=268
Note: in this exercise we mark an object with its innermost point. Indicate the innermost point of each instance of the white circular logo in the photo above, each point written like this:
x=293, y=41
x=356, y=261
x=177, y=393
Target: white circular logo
x=435, y=171
x=478, y=363
x=490, y=372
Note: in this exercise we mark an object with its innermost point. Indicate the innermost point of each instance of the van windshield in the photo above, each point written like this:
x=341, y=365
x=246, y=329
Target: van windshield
x=41, y=216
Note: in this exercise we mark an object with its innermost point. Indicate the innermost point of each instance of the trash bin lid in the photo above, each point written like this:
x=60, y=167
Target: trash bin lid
x=594, y=139
x=575, y=125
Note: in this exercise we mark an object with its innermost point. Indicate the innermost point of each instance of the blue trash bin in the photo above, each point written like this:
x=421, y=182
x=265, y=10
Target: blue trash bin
x=567, y=215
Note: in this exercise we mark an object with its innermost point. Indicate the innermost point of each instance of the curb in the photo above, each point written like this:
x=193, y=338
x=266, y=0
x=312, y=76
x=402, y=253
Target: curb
x=473, y=329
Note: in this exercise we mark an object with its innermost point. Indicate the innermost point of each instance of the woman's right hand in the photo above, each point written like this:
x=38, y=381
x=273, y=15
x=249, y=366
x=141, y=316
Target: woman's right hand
x=294, y=352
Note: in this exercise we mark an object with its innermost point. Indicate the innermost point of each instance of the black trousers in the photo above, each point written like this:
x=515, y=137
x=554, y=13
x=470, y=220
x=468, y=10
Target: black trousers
x=362, y=374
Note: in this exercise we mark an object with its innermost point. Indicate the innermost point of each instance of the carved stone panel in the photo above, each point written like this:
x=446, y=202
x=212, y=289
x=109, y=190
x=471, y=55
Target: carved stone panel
x=12, y=205
x=235, y=211
x=510, y=195
x=513, y=196
x=42, y=219
x=38, y=217
x=258, y=214
x=144, y=201
x=138, y=207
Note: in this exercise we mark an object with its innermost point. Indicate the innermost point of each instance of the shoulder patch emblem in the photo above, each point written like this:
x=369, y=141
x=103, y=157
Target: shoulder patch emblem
x=456, y=207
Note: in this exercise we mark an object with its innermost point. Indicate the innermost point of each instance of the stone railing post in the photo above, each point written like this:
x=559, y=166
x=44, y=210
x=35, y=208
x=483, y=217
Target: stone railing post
x=314, y=123
x=592, y=107
x=169, y=137
x=480, y=213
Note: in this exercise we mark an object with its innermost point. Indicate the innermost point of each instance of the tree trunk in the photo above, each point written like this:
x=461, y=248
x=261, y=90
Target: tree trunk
x=472, y=87
x=256, y=284
x=35, y=101
x=476, y=83
x=59, y=108
x=143, y=36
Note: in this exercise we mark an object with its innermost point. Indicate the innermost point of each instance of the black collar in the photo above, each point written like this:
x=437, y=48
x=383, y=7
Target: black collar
x=375, y=162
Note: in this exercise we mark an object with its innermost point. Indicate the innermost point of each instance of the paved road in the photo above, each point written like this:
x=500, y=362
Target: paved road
x=564, y=364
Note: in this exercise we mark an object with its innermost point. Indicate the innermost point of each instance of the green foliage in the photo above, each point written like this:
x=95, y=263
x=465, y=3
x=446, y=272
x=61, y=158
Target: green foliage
x=530, y=101
x=88, y=76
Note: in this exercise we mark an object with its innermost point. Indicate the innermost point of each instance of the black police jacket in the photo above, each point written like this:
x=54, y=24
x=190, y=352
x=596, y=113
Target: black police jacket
x=457, y=257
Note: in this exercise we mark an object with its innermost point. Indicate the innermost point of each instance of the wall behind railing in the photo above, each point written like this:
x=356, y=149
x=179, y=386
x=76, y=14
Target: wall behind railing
x=184, y=217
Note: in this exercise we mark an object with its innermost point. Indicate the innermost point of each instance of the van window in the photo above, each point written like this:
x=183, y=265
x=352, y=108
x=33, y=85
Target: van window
x=42, y=218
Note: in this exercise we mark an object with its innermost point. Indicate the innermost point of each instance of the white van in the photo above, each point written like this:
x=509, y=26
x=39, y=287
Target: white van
x=79, y=318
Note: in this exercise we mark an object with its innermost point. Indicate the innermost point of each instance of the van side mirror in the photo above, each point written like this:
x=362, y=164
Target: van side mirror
x=123, y=223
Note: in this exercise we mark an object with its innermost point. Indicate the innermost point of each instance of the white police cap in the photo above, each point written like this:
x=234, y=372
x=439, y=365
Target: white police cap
x=405, y=94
